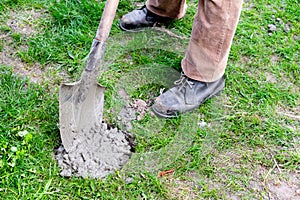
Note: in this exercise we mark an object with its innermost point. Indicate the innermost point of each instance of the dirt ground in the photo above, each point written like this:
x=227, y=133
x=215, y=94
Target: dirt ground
x=23, y=24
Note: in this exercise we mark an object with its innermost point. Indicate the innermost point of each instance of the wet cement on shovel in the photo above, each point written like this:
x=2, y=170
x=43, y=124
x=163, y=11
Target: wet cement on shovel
x=95, y=153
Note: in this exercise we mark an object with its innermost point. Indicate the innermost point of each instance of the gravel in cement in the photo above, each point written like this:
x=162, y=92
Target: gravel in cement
x=95, y=153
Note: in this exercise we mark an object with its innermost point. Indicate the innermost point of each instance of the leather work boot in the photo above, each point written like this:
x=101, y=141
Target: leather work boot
x=186, y=95
x=141, y=18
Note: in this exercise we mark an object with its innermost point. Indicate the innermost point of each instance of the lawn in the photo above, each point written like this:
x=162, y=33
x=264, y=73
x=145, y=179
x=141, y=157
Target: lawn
x=243, y=144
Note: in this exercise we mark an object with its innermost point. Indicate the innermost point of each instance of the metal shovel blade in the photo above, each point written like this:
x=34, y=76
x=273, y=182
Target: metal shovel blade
x=81, y=103
x=80, y=108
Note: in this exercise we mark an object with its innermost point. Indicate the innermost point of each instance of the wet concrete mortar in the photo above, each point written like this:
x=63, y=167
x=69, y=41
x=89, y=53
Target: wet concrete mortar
x=103, y=149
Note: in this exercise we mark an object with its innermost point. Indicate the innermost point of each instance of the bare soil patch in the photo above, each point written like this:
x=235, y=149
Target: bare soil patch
x=24, y=23
x=182, y=189
x=261, y=182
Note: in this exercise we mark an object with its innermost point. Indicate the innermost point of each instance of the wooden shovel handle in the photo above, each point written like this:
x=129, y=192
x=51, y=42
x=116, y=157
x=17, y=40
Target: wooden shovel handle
x=107, y=18
x=98, y=45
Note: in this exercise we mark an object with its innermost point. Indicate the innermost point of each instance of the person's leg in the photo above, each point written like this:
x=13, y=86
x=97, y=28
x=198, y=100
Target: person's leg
x=153, y=13
x=213, y=30
x=174, y=9
x=205, y=59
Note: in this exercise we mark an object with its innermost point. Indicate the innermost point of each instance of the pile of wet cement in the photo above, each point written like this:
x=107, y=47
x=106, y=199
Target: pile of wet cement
x=95, y=153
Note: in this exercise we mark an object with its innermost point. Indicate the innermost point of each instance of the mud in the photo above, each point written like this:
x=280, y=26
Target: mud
x=95, y=154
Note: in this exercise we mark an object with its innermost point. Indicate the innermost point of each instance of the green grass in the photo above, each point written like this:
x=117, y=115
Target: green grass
x=253, y=127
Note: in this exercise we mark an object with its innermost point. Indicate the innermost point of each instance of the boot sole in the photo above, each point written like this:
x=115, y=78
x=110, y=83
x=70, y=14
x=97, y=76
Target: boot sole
x=136, y=30
x=143, y=28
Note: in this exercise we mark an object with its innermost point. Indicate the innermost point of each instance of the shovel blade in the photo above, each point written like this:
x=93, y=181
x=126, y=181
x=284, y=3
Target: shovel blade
x=80, y=109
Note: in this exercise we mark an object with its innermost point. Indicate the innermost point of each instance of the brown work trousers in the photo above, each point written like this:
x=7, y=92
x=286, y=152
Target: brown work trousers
x=213, y=30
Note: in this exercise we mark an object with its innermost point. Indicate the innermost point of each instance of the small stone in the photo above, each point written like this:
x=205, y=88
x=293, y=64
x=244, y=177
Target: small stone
x=14, y=149
x=22, y=133
x=279, y=20
x=286, y=28
x=66, y=173
x=202, y=124
x=128, y=180
x=271, y=27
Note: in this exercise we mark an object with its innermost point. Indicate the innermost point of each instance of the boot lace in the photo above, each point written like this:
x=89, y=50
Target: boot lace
x=183, y=82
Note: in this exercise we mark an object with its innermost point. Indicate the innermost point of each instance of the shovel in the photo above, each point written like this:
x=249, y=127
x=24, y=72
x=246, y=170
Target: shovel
x=81, y=103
